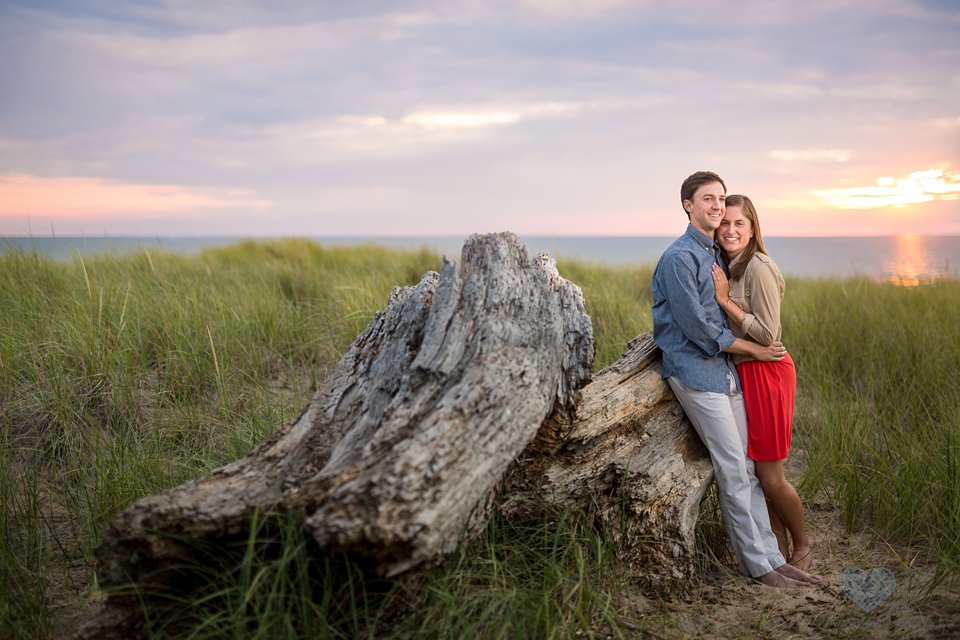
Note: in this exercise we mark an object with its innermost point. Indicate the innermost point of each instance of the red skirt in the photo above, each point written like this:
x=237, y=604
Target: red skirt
x=769, y=392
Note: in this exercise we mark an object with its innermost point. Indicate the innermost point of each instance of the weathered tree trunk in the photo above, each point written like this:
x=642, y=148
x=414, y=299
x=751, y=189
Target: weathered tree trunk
x=402, y=449
x=409, y=441
x=627, y=454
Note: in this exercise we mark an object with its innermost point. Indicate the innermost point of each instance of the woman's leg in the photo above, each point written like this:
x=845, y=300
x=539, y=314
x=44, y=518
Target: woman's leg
x=783, y=499
x=779, y=529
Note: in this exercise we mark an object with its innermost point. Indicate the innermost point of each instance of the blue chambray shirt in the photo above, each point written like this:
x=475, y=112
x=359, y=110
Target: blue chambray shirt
x=688, y=324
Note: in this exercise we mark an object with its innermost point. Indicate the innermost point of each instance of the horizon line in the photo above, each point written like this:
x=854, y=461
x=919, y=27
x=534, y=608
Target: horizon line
x=426, y=237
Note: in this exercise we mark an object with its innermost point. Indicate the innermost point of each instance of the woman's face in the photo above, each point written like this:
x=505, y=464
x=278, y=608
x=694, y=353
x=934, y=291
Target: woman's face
x=735, y=232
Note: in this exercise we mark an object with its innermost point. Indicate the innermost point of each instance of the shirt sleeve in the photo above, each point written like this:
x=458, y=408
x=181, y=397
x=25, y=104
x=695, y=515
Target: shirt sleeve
x=763, y=323
x=687, y=310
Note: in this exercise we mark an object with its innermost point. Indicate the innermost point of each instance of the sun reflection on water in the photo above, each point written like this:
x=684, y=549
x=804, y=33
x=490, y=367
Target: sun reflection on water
x=910, y=264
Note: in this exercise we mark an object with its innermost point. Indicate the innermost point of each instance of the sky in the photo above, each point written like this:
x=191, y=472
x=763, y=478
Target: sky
x=446, y=118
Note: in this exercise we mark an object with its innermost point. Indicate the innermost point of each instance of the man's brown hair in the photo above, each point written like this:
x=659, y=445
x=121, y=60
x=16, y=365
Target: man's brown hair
x=694, y=182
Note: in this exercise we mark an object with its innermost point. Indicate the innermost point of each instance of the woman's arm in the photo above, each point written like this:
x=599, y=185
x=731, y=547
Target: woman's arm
x=765, y=294
x=769, y=352
x=722, y=294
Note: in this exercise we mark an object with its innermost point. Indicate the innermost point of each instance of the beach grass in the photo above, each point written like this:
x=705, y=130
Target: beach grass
x=121, y=376
x=879, y=372
x=549, y=576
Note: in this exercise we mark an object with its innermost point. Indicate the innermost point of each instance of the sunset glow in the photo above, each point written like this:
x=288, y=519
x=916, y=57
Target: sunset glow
x=429, y=118
x=461, y=120
x=832, y=155
x=910, y=263
x=917, y=187
x=66, y=198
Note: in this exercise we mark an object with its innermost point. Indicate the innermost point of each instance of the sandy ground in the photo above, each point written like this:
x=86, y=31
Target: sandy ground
x=722, y=604
x=719, y=603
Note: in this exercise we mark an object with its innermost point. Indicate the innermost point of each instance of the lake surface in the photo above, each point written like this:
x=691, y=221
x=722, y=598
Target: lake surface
x=905, y=260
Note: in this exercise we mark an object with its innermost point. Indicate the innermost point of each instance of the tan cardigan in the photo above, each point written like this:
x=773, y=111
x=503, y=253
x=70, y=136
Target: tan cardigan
x=759, y=292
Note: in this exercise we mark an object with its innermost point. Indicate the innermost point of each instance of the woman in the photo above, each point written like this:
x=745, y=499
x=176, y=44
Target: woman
x=751, y=300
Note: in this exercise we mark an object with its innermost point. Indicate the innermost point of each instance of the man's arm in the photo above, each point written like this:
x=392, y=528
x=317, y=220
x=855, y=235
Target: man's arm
x=683, y=298
x=769, y=353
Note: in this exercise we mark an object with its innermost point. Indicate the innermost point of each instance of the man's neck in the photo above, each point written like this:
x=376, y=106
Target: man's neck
x=707, y=237
x=708, y=234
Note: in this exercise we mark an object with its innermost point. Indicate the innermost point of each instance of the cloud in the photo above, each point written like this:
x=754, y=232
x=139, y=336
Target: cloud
x=951, y=122
x=578, y=8
x=532, y=107
x=413, y=131
x=460, y=120
x=445, y=118
x=917, y=187
x=806, y=155
x=77, y=197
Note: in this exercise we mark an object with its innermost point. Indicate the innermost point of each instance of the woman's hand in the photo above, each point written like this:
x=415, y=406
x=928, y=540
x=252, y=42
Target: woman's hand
x=721, y=284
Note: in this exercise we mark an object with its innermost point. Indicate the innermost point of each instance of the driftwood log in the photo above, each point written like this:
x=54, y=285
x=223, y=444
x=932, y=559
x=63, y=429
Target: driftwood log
x=627, y=454
x=471, y=390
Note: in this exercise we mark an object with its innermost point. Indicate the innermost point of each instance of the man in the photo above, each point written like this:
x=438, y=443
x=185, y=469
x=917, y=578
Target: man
x=693, y=335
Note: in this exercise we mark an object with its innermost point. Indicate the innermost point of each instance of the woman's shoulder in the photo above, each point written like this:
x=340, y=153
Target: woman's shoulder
x=764, y=262
x=762, y=271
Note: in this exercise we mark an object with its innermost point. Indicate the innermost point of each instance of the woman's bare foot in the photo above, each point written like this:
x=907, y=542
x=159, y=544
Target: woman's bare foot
x=780, y=581
x=802, y=558
x=790, y=571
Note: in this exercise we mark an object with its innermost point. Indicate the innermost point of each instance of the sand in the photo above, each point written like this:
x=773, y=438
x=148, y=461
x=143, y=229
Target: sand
x=722, y=604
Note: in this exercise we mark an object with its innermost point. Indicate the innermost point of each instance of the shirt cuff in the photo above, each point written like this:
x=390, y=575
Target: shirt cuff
x=761, y=336
x=725, y=339
x=748, y=320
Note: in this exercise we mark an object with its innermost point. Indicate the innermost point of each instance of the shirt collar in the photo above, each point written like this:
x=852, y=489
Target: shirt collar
x=738, y=258
x=701, y=239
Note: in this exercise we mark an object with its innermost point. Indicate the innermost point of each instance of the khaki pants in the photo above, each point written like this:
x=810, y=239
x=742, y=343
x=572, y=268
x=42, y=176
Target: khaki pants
x=721, y=422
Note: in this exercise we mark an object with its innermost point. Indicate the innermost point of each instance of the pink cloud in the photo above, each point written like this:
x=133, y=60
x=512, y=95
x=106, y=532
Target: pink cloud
x=77, y=198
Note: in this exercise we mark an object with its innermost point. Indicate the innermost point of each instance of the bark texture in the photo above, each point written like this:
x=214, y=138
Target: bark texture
x=463, y=394
x=401, y=451
x=627, y=454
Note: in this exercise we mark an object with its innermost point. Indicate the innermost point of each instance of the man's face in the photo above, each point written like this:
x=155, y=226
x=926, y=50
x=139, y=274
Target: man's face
x=706, y=208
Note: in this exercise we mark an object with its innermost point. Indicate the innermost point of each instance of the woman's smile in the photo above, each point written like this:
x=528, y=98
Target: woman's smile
x=735, y=232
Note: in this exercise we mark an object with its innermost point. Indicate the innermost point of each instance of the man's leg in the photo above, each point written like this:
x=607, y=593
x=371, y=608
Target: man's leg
x=719, y=420
x=759, y=510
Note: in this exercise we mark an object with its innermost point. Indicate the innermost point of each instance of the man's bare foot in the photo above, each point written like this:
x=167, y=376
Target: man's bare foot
x=780, y=581
x=790, y=571
x=802, y=558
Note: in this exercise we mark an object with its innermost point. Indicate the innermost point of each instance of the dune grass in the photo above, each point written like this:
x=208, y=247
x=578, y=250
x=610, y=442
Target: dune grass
x=879, y=373
x=547, y=577
x=121, y=376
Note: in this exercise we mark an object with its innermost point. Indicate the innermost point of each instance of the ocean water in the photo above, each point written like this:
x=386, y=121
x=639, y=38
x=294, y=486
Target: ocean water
x=907, y=260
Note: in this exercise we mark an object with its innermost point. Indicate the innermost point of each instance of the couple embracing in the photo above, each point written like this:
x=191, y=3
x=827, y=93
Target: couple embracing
x=716, y=318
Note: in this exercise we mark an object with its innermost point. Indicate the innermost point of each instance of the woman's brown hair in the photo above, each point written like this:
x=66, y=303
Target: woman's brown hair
x=756, y=242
